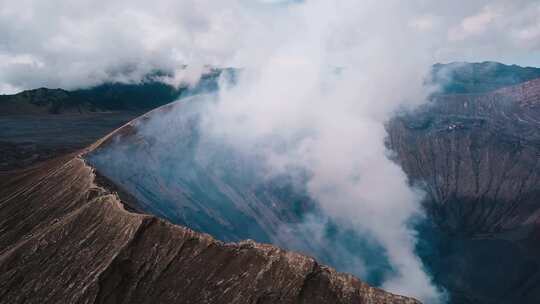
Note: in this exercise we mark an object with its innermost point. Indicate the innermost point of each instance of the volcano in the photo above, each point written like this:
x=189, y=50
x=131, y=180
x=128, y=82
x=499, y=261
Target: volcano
x=73, y=232
x=70, y=236
x=156, y=212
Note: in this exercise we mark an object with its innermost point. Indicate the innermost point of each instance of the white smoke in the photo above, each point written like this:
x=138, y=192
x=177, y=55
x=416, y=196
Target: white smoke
x=318, y=99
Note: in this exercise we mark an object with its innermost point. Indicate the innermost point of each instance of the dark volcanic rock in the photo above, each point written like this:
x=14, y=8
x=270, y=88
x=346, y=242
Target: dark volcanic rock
x=478, y=158
x=65, y=238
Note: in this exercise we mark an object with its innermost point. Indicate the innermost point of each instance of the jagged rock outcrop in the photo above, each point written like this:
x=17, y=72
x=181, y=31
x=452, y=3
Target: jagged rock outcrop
x=66, y=238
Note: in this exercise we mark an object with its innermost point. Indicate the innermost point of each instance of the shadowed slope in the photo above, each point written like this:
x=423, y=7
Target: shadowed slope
x=478, y=158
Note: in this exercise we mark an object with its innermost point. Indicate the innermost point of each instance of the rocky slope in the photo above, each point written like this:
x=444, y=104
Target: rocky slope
x=66, y=238
x=478, y=158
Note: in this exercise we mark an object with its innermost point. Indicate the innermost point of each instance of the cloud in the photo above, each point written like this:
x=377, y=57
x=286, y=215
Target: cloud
x=475, y=24
x=89, y=42
x=424, y=23
x=499, y=30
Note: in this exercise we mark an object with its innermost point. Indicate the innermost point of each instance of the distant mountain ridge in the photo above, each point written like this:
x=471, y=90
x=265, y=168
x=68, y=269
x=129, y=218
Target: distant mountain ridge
x=452, y=78
x=474, y=78
x=148, y=94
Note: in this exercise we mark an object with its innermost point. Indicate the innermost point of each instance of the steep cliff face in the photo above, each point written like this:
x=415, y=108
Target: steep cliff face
x=477, y=156
x=66, y=238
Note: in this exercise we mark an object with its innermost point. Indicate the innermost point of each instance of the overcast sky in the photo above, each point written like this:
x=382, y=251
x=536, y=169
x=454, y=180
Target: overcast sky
x=69, y=44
